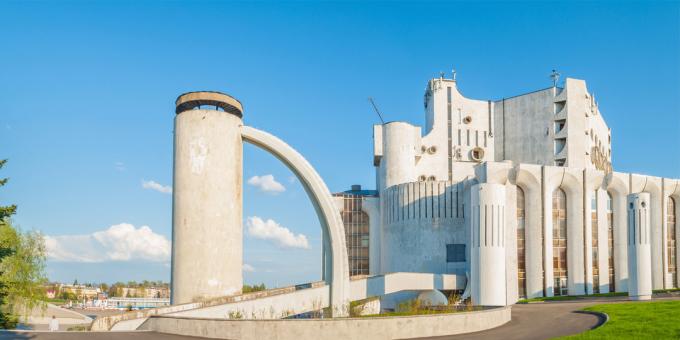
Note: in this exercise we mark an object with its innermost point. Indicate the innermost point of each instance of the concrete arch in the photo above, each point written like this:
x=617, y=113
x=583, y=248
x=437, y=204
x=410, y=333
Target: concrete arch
x=329, y=216
x=673, y=192
x=617, y=188
x=571, y=181
x=528, y=179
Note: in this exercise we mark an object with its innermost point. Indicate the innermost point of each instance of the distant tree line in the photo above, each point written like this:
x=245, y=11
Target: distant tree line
x=253, y=288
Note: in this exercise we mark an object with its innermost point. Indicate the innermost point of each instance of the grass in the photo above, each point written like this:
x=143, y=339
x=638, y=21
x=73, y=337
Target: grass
x=570, y=297
x=636, y=320
x=410, y=313
x=57, y=301
x=671, y=290
x=415, y=307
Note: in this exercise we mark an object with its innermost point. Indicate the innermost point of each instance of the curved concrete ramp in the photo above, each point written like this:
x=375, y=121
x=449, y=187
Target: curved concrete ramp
x=329, y=216
x=282, y=302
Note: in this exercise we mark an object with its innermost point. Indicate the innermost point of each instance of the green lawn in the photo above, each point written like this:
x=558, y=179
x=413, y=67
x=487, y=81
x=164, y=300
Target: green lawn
x=636, y=320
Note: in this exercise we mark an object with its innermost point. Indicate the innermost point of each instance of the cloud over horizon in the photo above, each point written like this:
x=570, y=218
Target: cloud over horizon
x=266, y=183
x=153, y=185
x=120, y=242
x=270, y=230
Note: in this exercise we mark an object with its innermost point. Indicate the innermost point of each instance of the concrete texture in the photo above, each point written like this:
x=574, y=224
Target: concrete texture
x=639, y=249
x=338, y=328
x=207, y=231
x=487, y=279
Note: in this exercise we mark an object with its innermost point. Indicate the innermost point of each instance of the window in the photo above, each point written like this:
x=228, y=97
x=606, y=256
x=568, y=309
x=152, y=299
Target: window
x=455, y=253
x=521, y=259
x=356, y=234
x=559, y=125
x=594, y=233
x=610, y=242
x=559, y=219
x=559, y=145
x=672, y=250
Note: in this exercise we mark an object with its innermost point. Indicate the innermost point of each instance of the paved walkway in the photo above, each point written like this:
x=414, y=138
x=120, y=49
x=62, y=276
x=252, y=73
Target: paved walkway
x=544, y=320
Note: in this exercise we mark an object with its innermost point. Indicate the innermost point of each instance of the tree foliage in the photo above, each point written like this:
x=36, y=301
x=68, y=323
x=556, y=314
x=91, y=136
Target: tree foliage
x=22, y=268
x=6, y=211
x=253, y=288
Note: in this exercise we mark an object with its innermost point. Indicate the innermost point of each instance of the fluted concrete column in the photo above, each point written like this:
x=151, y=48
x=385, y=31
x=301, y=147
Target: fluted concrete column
x=207, y=231
x=488, y=245
x=639, y=247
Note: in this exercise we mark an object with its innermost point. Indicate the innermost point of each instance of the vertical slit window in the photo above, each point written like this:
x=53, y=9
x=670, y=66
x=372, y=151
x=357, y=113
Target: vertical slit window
x=672, y=239
x=595, y=242
x=521, y=257
x=559, y=219
x=610, y=243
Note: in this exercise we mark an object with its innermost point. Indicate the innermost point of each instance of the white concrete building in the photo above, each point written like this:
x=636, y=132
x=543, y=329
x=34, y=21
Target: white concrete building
x=517, y=194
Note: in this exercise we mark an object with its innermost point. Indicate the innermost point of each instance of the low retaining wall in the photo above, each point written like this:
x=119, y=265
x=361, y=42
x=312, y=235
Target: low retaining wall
x=395, y=327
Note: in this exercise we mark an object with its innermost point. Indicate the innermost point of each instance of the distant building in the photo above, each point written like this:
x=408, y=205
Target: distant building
x=357, y=227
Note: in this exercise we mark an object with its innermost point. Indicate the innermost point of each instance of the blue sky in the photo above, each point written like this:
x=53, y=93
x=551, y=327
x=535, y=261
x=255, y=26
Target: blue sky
x=87, y=92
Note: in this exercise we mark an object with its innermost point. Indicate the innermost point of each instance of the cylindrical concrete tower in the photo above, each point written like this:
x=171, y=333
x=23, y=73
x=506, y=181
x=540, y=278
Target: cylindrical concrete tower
x=639, y=247
x=487, y=270
x=398, y=163
x=207, y=231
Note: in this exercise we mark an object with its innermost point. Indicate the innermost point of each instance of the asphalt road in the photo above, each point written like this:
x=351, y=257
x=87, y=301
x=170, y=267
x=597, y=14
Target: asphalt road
x=543, y=321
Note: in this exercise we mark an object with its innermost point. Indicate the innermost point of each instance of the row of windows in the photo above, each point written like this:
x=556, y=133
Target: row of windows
x=560, y=241
x=356, y=234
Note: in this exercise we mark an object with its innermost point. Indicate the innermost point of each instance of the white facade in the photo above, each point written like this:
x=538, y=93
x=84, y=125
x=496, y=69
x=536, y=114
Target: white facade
x=549, y=150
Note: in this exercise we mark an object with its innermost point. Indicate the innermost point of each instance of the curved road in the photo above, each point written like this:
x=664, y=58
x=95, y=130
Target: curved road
x=543, y=321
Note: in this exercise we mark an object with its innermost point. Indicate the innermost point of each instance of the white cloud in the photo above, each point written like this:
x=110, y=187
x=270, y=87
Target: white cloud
x=248, y=268
x=153, y=185
x=120, y=242
x=272, y=231
x=267, y=183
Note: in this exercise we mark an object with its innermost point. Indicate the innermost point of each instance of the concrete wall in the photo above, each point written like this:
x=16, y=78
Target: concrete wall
x=525, y=128
x=345, y=328
x=419, y=220
x=268, y=307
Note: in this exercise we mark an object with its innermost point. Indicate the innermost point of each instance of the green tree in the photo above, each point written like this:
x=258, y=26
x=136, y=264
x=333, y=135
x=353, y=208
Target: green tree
x=6, y=211
x=22, y=268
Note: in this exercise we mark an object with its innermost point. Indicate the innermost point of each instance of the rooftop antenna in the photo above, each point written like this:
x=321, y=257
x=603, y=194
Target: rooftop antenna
x=453, y=71
x=555, y=76
x=370, y=99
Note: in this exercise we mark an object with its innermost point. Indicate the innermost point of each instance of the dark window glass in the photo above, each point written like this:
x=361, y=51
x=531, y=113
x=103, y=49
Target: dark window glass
x=455, y=253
